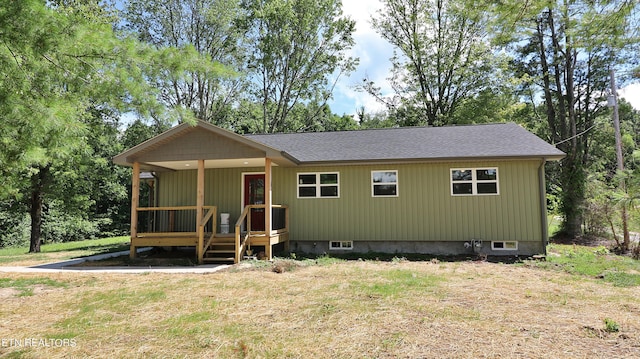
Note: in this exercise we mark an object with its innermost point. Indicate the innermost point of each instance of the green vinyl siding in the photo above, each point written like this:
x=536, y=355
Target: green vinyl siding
x=223, y=188
x=425, y=210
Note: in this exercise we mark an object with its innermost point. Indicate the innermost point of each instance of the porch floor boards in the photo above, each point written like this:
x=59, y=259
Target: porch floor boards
x=221, y=250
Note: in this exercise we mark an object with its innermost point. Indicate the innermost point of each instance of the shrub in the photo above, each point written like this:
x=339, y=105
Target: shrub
x=14, y=229
x=61, y=226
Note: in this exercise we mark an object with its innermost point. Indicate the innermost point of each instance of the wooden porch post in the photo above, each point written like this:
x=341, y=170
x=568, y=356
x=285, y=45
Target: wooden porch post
x=199, y=210
x=268, y=209
x=135, y=202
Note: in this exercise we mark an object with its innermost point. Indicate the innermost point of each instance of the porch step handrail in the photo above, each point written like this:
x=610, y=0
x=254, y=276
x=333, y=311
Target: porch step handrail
x=241, y=246
x=202, y=247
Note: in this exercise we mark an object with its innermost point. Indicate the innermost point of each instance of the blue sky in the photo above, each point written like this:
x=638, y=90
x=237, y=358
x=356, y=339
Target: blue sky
x=374, y=53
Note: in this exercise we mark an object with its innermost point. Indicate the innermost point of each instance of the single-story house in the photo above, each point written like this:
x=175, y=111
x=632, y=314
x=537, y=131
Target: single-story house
x=435, y=190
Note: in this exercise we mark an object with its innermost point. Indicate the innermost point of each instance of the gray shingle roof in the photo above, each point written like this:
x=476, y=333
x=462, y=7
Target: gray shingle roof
x=505, y=140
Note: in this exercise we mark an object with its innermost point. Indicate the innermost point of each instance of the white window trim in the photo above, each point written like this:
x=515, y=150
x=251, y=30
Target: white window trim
x=343, y=245
x=504, y=246
x=474, y=181
x=373, y=184
x=317, y=185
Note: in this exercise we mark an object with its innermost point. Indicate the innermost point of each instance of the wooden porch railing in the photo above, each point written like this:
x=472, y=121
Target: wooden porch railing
x=165, y=229
x=179, y=226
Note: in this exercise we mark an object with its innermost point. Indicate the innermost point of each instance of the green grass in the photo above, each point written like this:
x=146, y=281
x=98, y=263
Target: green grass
x=393, y=282
x=64, y=251
x=25, y=286
x=553, y=224
x=596, y=262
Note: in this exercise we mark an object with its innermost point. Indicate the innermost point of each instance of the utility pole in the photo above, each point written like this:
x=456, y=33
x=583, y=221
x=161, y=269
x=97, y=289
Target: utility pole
x=613, y=97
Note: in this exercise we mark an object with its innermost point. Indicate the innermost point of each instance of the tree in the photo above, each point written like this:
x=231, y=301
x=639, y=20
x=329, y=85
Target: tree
x=378, y=119
x=40, y=112
x=60, y=61
x=211, y=90
x=297, y=51
x=441, y=60
x=629, y=199
x=101, y=185
x=563, y=52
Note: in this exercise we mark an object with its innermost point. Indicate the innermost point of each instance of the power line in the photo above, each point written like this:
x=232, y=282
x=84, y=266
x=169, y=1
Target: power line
x=578, y=135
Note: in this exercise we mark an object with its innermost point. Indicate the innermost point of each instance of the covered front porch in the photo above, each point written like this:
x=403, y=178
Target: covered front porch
x=260, y=225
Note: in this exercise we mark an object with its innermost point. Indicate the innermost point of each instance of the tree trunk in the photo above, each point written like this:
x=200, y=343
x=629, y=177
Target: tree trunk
x=557, y=65
x=38, y=181
x=573, y=188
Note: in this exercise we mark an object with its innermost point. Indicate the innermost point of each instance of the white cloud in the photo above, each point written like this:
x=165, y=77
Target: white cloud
x=374, y=53
x=631, y=93
x=361, y=13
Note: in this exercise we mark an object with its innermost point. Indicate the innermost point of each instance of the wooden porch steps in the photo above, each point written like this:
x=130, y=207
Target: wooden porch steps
x=221, y=250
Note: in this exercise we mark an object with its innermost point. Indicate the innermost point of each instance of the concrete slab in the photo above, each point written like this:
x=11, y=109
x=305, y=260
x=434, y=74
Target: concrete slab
x=67, y=266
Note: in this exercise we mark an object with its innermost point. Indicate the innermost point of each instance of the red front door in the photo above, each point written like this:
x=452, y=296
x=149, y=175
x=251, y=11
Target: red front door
x=254, y=194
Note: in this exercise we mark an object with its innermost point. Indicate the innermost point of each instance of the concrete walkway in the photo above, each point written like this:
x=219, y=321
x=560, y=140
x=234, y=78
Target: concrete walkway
x=67, y=266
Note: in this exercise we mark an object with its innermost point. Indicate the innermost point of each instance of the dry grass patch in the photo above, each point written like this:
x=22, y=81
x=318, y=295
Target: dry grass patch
x=340, y=310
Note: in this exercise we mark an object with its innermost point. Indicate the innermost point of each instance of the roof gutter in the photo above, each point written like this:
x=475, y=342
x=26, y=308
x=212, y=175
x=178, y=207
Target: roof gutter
x=286, y=155
x=426, y=160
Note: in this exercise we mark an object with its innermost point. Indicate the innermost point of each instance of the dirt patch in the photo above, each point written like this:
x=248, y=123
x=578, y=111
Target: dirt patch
x=8, y=293
x=591, y=241
x=25, y=291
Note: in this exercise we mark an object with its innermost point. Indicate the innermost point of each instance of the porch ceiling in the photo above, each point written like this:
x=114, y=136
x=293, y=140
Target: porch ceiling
x=224, y=163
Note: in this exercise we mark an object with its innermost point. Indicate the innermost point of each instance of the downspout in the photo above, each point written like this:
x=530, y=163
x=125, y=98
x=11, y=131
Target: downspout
x=543, y=206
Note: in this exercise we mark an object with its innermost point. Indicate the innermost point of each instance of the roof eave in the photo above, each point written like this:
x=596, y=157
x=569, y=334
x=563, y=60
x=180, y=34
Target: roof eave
x=546, y=158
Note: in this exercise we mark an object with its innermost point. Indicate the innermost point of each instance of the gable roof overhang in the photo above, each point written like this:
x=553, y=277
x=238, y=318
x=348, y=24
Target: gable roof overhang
x=182, y=146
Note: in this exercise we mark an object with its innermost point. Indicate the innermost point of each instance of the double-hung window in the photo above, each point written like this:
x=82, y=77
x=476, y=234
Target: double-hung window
x=319, y=185
x=384, y=183
x=474, y=181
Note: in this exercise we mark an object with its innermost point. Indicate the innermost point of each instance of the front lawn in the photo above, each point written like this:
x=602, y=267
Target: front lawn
x=53, y=252
x=329, y=308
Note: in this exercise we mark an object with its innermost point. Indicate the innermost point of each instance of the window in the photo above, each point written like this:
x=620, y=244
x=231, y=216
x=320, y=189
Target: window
x=476, y=181
x=341, y=245
x=384, y=183
x=316, y=185
x=504, y=245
